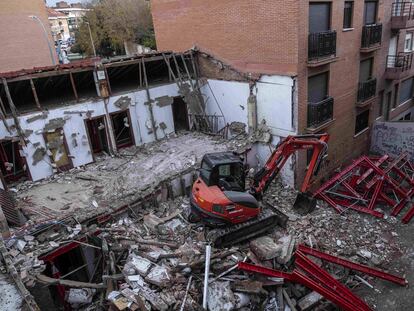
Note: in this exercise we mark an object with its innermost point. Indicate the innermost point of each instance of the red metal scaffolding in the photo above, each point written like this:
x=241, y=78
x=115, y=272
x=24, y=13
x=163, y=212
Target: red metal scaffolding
x=370, y=183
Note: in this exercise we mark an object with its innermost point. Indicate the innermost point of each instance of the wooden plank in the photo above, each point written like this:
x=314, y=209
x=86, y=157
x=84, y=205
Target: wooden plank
x=72, y=81
x=36, y=98
x=74, y=284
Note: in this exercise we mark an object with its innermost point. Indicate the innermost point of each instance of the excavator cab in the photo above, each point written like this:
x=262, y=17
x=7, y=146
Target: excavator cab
x=225, y=170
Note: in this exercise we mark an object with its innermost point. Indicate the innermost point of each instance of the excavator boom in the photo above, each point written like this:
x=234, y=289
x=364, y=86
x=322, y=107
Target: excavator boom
x=278, y=158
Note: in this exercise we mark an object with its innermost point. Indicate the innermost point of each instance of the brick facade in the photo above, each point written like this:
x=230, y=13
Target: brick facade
x=260, y=36
x=23, y=44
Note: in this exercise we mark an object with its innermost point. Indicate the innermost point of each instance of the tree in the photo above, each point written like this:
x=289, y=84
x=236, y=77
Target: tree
x=113, y=23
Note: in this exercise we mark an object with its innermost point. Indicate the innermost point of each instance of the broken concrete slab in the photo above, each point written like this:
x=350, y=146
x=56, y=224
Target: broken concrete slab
x=159, y=276
x=265, y=248
x=41, y=116
x=309, y=301
x=138, y=264
x=220, y=297
x=163, y=101
x=288, y=244
x=54, y=124
x=123, y=102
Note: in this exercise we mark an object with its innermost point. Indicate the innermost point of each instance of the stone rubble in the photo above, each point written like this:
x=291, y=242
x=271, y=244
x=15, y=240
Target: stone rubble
x=150, y=251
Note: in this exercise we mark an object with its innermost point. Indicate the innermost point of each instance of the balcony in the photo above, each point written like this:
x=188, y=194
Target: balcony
x=321, y=47
x=366, y=91
x=320, y=114
x=371, y=37
x=398, y=66
x=402, y=15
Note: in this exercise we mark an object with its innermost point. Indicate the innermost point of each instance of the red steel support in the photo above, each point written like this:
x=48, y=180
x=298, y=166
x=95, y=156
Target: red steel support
x=407, y=217
x=353, y=266
x=323, y=277
x=332, y=296
x=298, y=277
x=265, y=271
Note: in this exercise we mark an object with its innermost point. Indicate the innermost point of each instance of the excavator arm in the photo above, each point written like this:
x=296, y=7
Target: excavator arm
x=278, y=158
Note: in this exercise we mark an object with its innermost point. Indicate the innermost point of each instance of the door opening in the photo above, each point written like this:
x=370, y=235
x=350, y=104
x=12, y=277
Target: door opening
x=180, y=114
x=121, y=123
x=12, y=164
x=97, y=135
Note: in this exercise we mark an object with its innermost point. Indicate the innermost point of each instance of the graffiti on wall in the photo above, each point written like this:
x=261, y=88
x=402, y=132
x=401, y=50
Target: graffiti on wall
x=393, y=138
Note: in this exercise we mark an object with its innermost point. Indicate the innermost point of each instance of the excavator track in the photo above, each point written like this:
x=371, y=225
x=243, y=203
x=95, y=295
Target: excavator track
x=267, y=220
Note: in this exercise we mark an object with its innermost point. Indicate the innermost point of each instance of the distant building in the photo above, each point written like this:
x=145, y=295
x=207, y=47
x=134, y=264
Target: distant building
x=58, y=24
x=74, y=12
x=23, y=43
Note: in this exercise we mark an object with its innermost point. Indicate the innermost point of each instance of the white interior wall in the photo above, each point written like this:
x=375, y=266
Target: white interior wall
x=275, y=104
x=80, y=153
x=231, y=97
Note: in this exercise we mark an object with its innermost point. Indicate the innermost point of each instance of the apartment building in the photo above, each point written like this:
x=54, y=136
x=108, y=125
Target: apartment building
x=74, y=12
x=350, y=62
x=58, y=24
x=23, y=40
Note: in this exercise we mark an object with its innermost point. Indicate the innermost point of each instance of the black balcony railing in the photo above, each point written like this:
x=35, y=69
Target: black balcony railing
x=402, y=61
x=371, y=35
x=367, y=89
x=321, y=112
x=321, y=44
x=401, y=9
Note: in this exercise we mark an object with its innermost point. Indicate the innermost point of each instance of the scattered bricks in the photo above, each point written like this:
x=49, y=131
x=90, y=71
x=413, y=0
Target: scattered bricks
x=309, y=301
x=265, y=248
x=159, y=276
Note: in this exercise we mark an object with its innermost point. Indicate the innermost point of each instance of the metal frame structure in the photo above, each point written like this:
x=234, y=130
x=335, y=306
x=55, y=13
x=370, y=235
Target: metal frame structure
x=369, y=183
x=309, y=274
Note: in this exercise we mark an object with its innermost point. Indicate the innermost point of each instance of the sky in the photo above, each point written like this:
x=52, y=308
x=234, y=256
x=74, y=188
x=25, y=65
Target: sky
x=53, y=2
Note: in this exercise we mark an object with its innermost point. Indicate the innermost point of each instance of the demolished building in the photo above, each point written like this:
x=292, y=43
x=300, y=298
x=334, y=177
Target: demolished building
x=96, y=169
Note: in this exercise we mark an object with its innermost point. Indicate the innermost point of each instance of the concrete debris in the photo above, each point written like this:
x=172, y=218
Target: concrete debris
x=123, y=102
x=128, y=210
x=288, y=244
x=164, y=101
x=221, y=297
x=265, y=248
x=80, y=296
x=54, y=124
x=38, y=155
x=36, y=117
x=309, y=301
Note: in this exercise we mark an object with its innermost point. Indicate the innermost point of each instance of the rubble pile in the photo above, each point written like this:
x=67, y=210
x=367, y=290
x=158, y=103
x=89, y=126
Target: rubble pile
x=153, y=259
x=361, y=239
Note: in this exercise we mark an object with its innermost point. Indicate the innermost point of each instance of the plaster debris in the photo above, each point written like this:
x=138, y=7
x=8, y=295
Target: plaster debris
x=123, y=102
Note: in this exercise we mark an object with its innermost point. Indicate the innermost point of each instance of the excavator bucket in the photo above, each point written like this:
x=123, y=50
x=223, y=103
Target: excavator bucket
x=304, y=203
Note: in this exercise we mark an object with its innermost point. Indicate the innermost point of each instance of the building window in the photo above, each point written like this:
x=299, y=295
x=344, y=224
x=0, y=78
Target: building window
x=395, y=101
x=408, y=43
x=370, y=12
x=318, y=87
x=348, y=14
x=365, y=69
x=406, y=91
x=361, y=122
x=319, y=17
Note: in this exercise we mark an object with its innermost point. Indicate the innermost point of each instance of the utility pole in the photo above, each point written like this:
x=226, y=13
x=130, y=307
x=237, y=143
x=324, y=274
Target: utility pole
x=52, y=56
x=90, y=34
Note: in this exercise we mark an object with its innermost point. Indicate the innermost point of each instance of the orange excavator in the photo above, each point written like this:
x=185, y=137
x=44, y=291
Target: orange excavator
x=220, y=200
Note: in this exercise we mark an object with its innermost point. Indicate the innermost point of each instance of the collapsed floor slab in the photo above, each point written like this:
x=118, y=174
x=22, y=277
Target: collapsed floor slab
x=110, y=183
